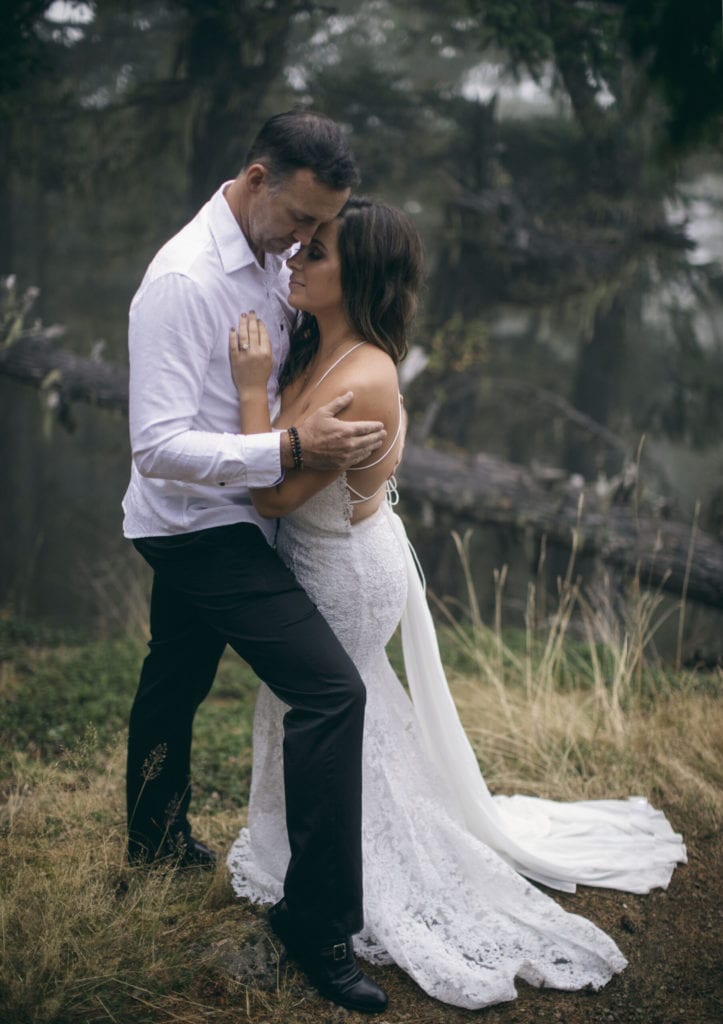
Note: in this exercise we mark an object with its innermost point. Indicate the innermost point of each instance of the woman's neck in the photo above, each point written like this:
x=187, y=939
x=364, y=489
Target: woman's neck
x=335, y=332
x=336, y=337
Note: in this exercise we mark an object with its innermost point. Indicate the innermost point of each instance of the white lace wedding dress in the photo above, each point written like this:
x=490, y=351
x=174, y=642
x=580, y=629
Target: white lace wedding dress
x=444, y=896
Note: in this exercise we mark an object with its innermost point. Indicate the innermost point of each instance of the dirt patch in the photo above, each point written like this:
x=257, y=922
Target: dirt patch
x=672, y=940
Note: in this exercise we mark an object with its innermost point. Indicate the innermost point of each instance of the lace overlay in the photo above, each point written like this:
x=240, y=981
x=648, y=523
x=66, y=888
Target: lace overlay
x=438, y=901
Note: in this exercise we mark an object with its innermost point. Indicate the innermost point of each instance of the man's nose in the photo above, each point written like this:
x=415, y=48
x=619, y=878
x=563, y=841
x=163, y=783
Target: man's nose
x=305, y=234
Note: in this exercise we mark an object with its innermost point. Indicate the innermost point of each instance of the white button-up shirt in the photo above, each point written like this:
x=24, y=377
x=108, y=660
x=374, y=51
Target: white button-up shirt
x=191, y=467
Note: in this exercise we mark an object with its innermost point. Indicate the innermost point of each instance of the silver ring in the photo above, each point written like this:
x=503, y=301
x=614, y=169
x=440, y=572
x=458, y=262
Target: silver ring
x=244, y=348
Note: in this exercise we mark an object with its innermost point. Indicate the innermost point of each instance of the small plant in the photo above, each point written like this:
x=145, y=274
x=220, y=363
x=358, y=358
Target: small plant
x=14, y=309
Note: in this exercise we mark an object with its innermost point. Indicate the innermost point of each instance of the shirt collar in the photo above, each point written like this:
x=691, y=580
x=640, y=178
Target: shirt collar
x=232, y=244
x=234, y=250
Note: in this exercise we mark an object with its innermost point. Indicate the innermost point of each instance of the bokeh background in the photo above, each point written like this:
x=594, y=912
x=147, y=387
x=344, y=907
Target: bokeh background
x=562, y=162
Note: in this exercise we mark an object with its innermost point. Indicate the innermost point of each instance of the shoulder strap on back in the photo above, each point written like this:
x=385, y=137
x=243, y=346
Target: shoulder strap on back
x=368, y=465
x=334, y=365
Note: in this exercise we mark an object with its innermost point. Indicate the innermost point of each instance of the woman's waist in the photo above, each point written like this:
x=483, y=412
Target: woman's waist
x=364, y=543
x=335, y=524
x=362, y=568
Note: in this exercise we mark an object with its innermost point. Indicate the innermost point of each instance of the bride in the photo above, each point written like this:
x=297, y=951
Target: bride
x=446, y=865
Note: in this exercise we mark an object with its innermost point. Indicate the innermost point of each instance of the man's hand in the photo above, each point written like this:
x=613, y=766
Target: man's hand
x=331, y=443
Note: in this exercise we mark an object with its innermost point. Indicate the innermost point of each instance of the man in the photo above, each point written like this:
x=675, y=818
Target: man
x=217, y=580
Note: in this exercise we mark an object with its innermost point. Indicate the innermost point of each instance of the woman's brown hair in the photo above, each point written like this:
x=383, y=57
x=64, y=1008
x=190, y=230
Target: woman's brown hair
x=382, y=262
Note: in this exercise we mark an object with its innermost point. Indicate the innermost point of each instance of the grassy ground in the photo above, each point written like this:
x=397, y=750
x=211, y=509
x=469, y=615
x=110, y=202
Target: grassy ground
x=86, y=939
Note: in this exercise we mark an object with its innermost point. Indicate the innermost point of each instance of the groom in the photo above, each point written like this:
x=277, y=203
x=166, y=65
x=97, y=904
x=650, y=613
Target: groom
x=216, y=579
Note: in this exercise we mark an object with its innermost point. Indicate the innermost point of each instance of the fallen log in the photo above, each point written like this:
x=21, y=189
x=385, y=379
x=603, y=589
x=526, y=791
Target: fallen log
x=484, y=490
x=478, y=489
x=36, y=359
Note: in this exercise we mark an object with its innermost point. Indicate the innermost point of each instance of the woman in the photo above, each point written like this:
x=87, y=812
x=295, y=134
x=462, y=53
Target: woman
x=444, y=894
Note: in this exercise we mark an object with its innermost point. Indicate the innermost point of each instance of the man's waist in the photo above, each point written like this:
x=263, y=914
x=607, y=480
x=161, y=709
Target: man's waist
x=151, y=509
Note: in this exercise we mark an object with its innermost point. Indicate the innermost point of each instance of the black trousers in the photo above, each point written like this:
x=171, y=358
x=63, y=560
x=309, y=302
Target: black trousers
x=227, y=586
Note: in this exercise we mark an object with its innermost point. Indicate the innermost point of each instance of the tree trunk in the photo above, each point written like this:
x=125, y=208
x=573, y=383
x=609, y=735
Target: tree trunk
x=230, y=57
x=598, y=374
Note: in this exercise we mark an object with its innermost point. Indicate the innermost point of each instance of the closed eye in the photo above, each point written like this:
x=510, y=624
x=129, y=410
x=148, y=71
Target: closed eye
x=315, y=251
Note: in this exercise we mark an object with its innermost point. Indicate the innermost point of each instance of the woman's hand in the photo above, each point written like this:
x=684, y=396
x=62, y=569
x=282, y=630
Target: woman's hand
x=250, y=353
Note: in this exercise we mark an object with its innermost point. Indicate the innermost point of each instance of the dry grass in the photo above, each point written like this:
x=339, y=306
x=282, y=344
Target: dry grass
x=581, y=709
x=83, y=936
x=573, y=709
x=667, y=750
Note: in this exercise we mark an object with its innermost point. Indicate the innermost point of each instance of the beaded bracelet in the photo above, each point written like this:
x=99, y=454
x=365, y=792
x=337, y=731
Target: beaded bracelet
x=295, y=448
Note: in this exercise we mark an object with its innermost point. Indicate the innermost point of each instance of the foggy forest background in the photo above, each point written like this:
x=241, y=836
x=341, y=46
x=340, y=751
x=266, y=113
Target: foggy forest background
x=562, y=162
x=562, y=483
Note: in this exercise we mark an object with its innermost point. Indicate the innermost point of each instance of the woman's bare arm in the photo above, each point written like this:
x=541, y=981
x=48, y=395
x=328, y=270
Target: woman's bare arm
x=330, y=440
x=372, y=378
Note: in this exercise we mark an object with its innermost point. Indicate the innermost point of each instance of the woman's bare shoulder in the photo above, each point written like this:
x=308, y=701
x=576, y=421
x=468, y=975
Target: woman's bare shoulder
x=372, y=376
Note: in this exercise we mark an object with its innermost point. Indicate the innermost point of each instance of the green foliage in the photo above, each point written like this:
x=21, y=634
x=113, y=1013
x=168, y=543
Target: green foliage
x=116, y=129
x=681, y=44
x=519, y=30
x=677, y=47
x=458, y=345
x=222, y=738
x=23, y=53
x=60, y=694
x=18, y=635
x=58, y=691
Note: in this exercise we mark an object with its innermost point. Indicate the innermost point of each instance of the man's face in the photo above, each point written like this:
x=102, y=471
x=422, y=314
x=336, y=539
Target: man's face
x=291, y=212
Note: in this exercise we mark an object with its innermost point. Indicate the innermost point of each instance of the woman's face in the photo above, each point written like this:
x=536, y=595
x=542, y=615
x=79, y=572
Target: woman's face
x=315, y=284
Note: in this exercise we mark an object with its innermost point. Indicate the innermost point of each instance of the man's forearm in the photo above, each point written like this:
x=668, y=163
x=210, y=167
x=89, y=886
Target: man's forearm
x=203, y=457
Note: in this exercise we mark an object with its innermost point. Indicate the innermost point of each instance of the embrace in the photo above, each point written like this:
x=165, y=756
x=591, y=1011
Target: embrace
x=266, y=426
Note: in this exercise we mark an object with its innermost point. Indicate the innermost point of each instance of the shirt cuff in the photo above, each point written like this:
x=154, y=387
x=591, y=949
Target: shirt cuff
x=261, y=455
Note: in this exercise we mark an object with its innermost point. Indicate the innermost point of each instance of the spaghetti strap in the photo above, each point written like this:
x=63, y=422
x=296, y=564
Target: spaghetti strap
x=334, y=365
x=369, y=465
x=359, y=497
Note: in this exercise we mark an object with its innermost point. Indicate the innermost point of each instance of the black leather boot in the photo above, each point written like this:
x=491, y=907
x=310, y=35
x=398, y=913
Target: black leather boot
x=180, y=850
x=332, y=969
